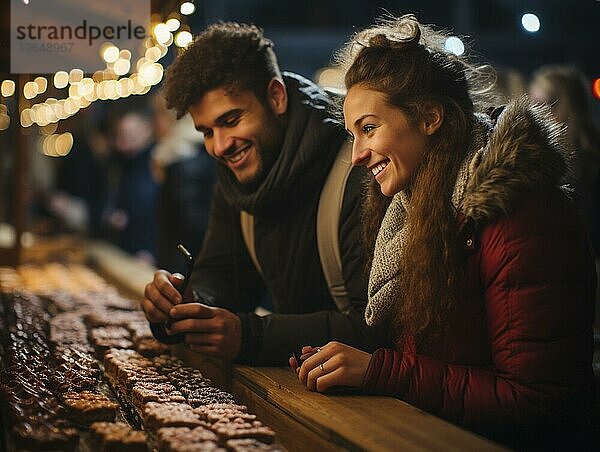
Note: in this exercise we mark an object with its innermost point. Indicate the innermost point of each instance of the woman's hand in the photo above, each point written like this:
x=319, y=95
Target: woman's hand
x=334, y=364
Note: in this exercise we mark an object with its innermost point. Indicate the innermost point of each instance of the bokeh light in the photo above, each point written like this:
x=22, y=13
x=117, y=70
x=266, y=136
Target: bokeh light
x=110, y=53
x=7, y=88
x=61, y=79
x=454, y=45
x=183, y=39
x=187, y=8
x=596, y=88
x=530, y=22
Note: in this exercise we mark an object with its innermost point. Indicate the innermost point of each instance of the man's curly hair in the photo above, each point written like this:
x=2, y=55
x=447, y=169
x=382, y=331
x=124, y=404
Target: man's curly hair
x=230, y=55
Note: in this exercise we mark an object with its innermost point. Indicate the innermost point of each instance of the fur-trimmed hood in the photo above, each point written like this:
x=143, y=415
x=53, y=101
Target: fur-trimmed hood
x=525, y=151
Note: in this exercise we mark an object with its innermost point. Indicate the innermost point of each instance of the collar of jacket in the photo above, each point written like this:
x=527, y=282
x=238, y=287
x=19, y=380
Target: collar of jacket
x=525, y=152
x=312, y=139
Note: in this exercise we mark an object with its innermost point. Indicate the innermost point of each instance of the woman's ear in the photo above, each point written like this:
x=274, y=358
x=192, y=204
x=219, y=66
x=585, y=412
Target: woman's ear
x=277, y=96
x=433, y=118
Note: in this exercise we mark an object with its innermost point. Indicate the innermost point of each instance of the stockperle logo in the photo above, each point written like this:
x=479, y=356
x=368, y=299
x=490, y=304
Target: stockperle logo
x=53, y=35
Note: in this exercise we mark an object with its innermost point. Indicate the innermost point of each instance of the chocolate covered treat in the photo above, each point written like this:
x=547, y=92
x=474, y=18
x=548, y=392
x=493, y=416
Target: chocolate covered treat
x=240, y=429
x=104, y=338
x=143, y=393
x=183, y=439
x=27, y=436
x=207, y=395
x=114, y=317
x=157, y=415
x=222, y=412
x=87, y=407
x=118, y=437
x=251, y=445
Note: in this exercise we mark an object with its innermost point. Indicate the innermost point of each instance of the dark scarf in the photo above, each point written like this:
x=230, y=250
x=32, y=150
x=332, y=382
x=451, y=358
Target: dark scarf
x=310, y=144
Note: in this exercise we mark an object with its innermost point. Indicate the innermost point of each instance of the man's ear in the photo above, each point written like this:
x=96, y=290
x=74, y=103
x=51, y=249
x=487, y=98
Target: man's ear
x=277, y=96
x=433, y=118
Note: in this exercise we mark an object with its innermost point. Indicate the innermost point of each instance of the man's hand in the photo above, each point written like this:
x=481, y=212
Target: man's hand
x=161, y=295
x=209, y=330
x=334, y=364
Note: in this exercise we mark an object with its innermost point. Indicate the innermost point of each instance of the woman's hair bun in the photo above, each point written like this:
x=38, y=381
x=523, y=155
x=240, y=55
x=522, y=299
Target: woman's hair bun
x=405, y=34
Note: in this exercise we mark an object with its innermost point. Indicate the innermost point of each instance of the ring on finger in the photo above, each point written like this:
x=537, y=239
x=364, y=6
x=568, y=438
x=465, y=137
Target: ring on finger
x=321, y=367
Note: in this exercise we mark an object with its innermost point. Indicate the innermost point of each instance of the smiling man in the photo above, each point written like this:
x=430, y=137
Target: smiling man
x=276, y=144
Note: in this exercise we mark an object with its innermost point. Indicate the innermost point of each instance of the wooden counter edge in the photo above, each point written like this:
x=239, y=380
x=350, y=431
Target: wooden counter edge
x=358, y=422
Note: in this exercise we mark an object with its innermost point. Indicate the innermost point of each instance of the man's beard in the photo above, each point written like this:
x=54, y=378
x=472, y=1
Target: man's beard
x=268, y=147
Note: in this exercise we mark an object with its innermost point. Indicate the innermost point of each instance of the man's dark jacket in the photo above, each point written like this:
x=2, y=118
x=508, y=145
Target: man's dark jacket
x=284, y=207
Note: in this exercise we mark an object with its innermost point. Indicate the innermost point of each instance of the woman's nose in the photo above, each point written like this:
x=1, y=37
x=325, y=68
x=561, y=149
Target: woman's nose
x=360, y=156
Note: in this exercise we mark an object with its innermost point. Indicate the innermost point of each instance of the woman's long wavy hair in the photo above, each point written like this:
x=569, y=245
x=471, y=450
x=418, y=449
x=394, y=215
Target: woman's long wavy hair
x=406, y=62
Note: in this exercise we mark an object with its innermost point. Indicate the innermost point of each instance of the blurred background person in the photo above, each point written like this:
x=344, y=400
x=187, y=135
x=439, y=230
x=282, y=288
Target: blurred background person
x=80, y=196
x=510, y=84
x=132, y=218
x=186, y=175
x=565, y=89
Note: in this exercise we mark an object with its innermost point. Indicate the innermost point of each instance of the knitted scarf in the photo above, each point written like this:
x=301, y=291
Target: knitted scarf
x=384, y=288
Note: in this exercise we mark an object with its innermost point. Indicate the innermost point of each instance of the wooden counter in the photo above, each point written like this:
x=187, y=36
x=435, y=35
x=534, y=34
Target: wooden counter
x=308, y=420
x=305, y=420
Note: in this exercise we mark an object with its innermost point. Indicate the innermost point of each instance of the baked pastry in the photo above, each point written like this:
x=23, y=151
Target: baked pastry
x=118, y=437
x=170, y=414
x=87, y=407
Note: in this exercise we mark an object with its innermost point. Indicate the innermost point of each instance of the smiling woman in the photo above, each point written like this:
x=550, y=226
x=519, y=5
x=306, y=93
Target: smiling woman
x=385, y=140
x=478, y=259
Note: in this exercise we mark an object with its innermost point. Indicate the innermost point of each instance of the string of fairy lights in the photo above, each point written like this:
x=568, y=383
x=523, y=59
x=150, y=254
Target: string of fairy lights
x=120, y=78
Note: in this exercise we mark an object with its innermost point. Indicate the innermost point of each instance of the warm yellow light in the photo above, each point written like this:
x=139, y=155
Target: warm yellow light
x=70, y=107
x=127, y=86
x=109, y=74
x=98, y=76
x=86, y=86
x=40, y=117
x=121, y=66
x=153, y=54
x=163, y=48
x=183, y=39
x=110, y=53
x=42, y=84
x=4, y=121
x=63, y=144
x=49, y=145
x=50, y=115
x=30, y=90
x=100, y=90
x=61, y=79
x=84, y=102
x=162, y=33
x=26, y=117
x=125, y=54
x=150, y=74
x=74, y=90
x=187, y=8
x=173, y=24
x=59, y=109
x=7, y=88
x=49, y=129
x=76, y=75
x=110, y=90
x=141, y=62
